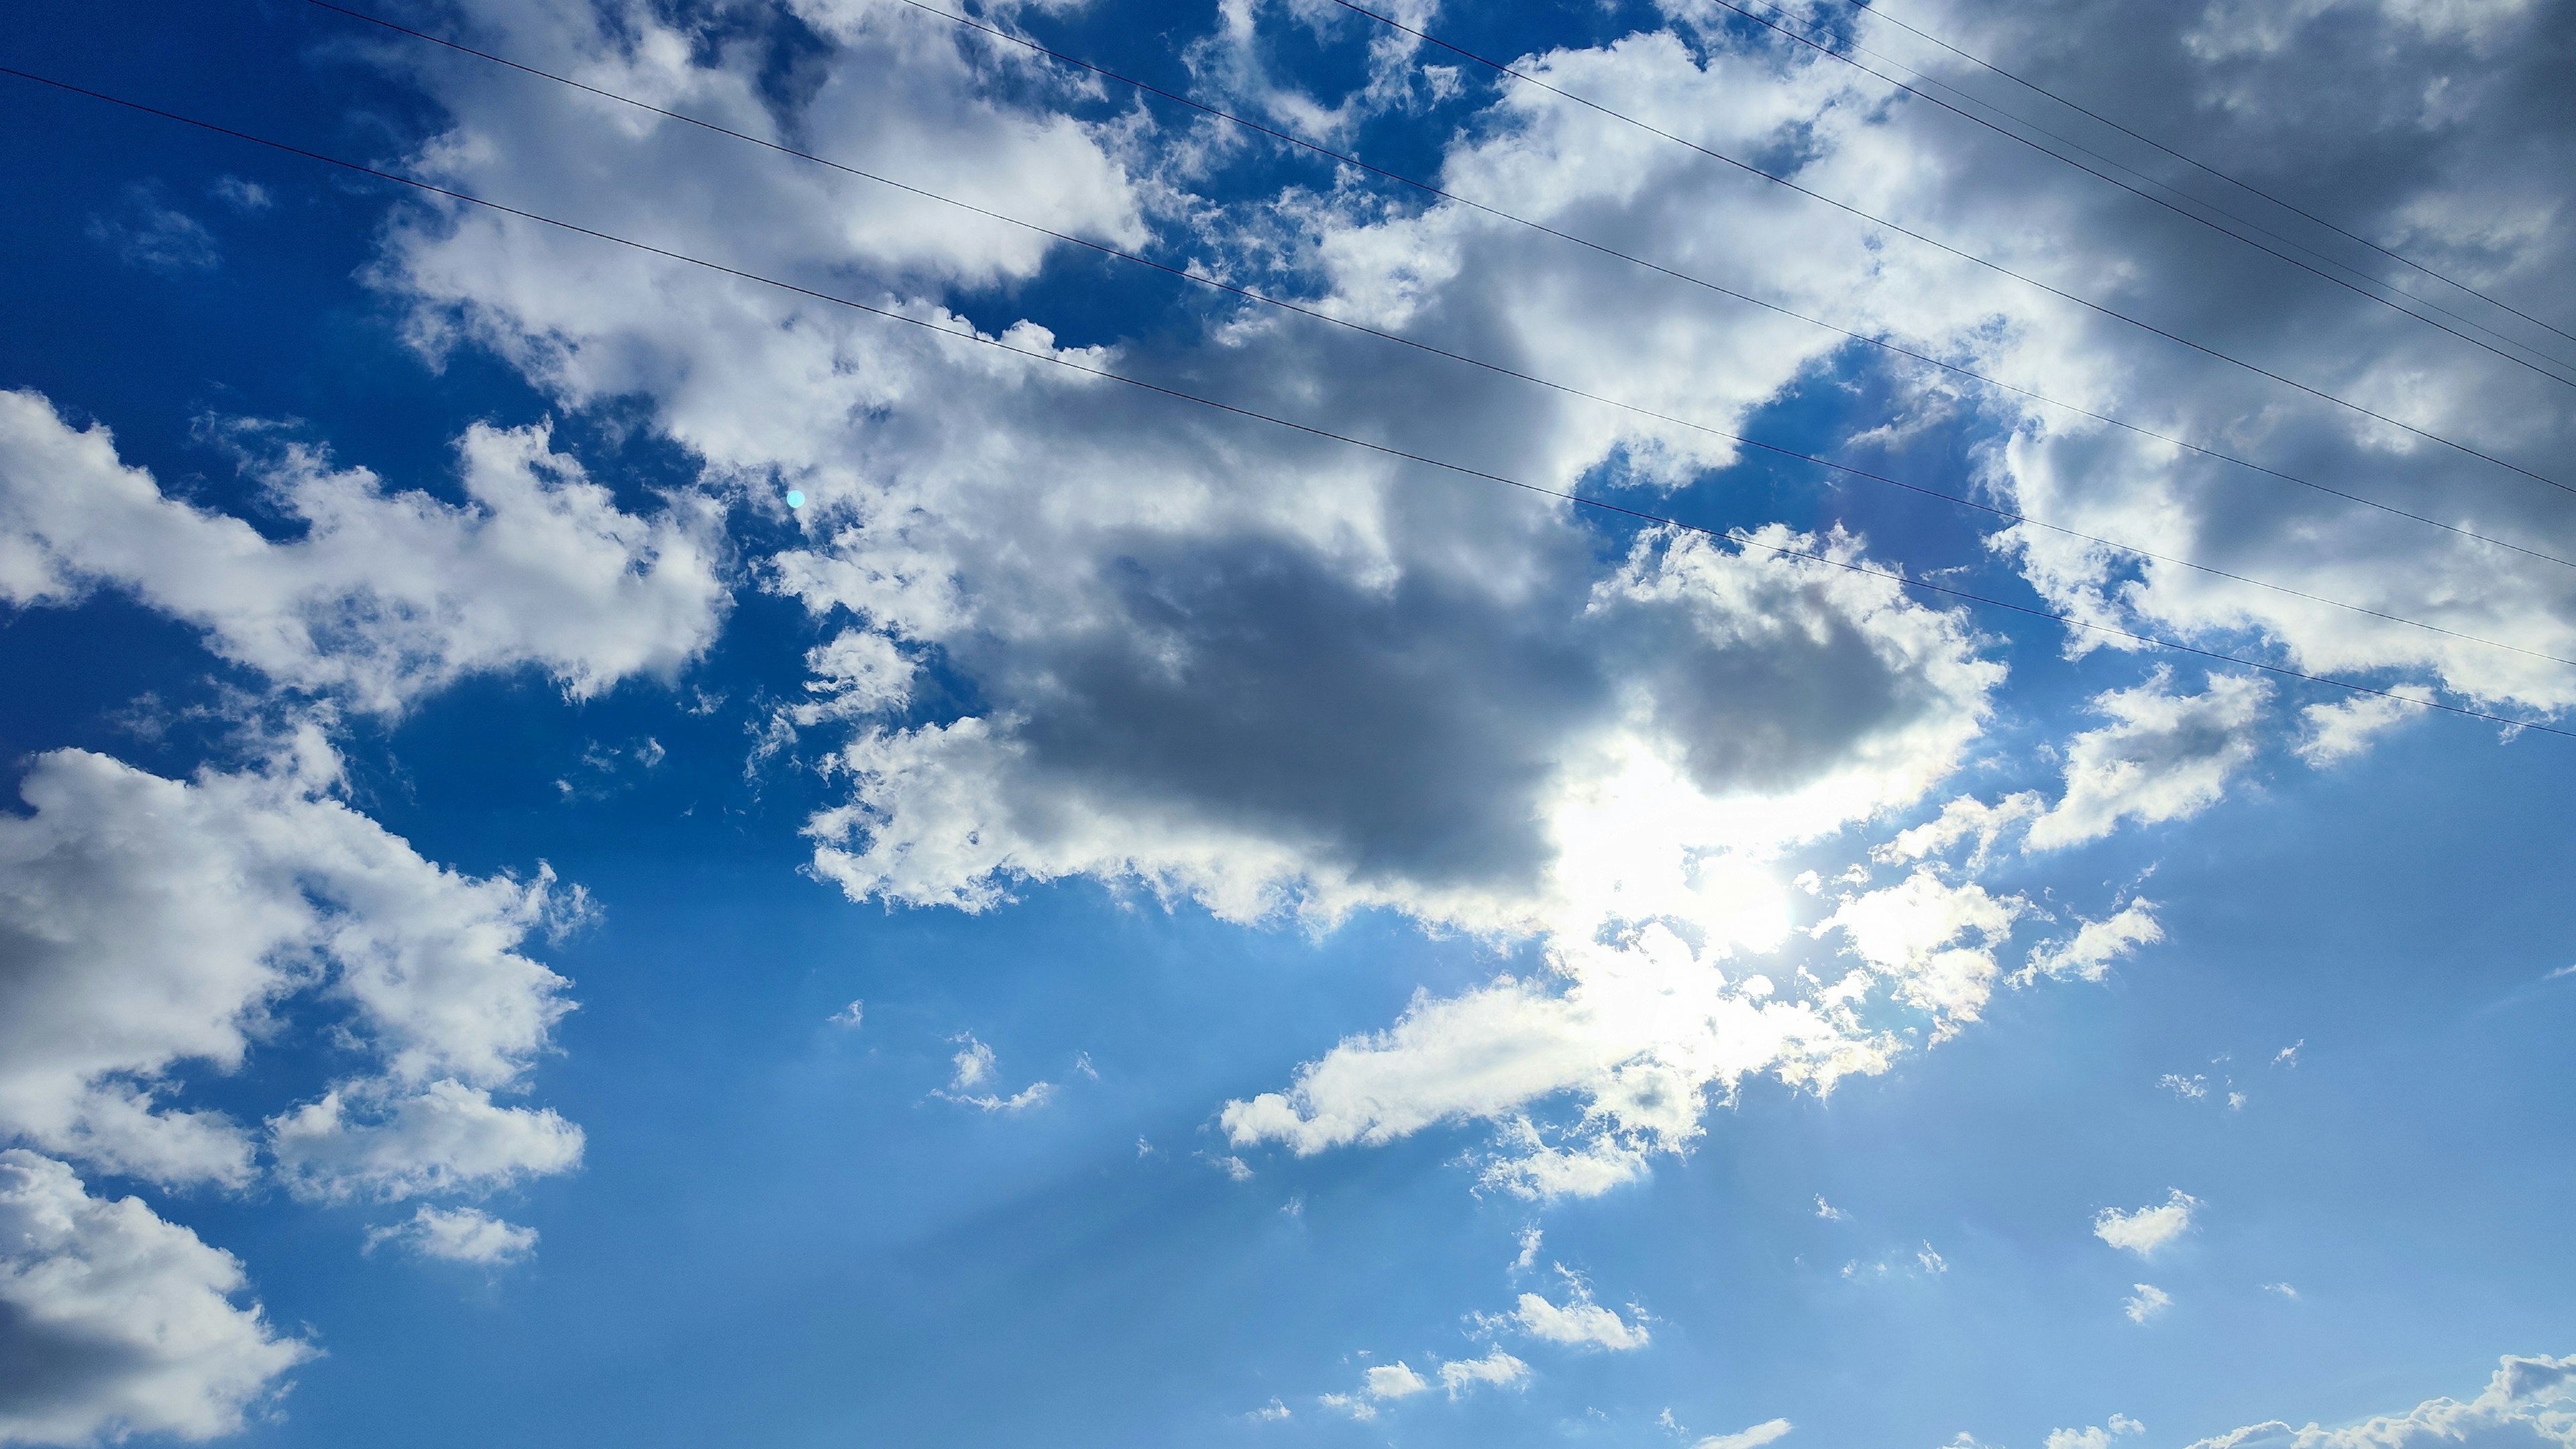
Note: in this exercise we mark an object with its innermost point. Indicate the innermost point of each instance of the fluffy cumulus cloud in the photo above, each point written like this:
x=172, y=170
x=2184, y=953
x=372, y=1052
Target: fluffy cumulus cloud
x=384, y=596
x=1388, y=1383
x=2528, y=1403
x=2165, y=756
x=2150, y=1228
x=147, y=923
x=1581, y=1323
x=114, y=1322
x=457, y=1235
x=1935, y=941
x=1496, y=1369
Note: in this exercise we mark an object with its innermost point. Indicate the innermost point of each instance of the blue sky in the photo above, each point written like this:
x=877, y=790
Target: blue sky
x=1112, y=923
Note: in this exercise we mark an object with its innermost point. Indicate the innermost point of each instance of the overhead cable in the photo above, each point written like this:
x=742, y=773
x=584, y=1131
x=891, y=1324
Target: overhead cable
x=1774, y=177
x=1881, y=343
x=2203, y=203
x=1824, y=49
x=1738, y=537
x=1282, y=304
x=2230, y=178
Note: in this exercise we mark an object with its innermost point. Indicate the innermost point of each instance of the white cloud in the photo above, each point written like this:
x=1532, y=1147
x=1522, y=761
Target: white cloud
x=2089, y=953
x=2343, y=729
x=2149, y=1228
x=1389, y=1382
x=2167, y=757
x=976, y=1067
x=1767, y=1432
x=146, y=923
x=1642, y=1032
x=2528, y=1403
x=1935, y=941
x=1964, y=818
x=1395, y=1380
x=458, y=1235
x=1829, y=1212
x=852, y=1016
x=2095, y=1436
x=1580, y=1323
x=2148, y=1301
x=385, y=596
x=1497, y=1369
x=114, y=1322
x=372, y=1138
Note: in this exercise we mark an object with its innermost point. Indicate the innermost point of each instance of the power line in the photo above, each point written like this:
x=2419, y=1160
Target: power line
x=1824, y=49
x=1997, y=267
x=1148, y=88
x=2204, y=203
x=1881, y=12
x=1737, y=537
x=1496, y=368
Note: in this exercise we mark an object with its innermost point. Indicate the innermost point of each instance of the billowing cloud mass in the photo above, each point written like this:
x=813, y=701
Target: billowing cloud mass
x=2529, y=1403
x=384, y=596
x=1215, y=661
x=113, y=1321
x=146, y=923
x=2149, y=1228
